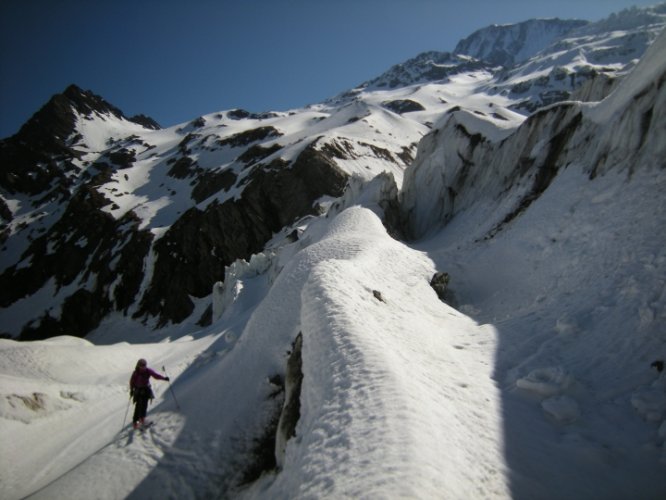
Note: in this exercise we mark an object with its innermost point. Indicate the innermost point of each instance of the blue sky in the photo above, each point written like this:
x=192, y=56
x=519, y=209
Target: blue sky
x=176, y=60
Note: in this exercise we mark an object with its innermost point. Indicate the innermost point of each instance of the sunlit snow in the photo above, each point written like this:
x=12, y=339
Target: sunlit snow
x=534, y=381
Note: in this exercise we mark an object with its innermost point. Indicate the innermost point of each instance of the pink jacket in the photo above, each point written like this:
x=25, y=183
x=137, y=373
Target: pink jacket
x=141, y=377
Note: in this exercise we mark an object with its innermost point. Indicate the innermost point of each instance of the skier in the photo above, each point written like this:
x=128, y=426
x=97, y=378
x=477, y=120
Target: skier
x=141, y=391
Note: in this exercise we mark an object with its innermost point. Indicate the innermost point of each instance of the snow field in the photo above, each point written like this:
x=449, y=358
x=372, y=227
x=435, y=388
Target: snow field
x=63, y=399
x=575, y=288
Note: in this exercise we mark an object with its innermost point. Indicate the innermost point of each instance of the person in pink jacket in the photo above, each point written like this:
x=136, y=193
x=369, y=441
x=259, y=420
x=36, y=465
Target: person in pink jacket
x=140, y=390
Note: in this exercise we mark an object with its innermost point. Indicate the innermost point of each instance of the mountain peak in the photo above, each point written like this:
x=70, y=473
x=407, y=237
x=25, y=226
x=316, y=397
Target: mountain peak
x=29, y=156
x=86, y=103
x=425, y=67
x=509, y=44
x=57, y=118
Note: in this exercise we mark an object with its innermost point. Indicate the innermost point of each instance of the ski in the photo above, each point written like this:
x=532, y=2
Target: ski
x=146, y=425
x=143, y=426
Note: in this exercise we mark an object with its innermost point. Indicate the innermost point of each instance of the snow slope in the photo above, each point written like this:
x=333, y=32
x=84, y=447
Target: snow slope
x=570, y=270
x=536, y=384
x=64, y=399
x=575, y=289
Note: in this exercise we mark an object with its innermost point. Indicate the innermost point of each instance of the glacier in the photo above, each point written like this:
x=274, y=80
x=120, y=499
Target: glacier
x=533, y=381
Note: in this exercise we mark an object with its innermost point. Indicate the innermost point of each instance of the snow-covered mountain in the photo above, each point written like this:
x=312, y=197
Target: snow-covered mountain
x=418, y=288
x=508, y=45
x=539, y=62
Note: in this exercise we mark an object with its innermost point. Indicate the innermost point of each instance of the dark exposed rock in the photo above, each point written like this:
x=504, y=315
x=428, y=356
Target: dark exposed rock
x=183, y=167
x=207, y=317
x=104, y=175
x=41, y=329
x=87, y=103
x=81, y=312
x=291, y=411
x=289, y=193
x=193, y=253
x=392, y=219
x=191, y=256
x=249, y=136
x=401, y=106
x=183, y=145
x=240, y=114
x=440, y=283
x=198, y=122
x=33, y=170
x=339, y=148
x=146, y=122
x=5, y=212
x=130, y=268
x=379, y=152
x=260, y=459
x=646, y=120
x=210, y=183
x=122, y=158
x=257, y=153
x=406, y=154
x=499, y=117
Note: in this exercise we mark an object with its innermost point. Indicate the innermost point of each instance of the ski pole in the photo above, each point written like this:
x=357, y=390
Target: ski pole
x=126, y=411
x=171, y=388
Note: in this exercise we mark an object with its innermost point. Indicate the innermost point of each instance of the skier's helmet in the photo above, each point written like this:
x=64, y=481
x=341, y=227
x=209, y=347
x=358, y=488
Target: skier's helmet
x=141, y=363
